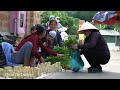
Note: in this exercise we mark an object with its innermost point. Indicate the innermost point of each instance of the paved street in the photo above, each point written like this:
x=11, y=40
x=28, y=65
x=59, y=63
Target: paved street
x=110, y=70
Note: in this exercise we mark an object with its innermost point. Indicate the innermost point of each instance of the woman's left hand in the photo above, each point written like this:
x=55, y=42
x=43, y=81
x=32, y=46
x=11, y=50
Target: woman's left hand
x=45, y=44
x=15, y=51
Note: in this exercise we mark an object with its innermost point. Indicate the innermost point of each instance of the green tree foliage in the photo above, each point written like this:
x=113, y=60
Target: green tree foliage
x=65, y=20
x=83, y=15
x=46, y=14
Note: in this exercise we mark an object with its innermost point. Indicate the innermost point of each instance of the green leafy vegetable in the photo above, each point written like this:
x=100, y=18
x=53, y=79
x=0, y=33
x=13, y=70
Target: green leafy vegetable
x=70, y=41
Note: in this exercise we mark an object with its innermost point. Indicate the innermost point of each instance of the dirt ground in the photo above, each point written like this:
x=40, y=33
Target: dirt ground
x=111, y=70
x=115, y=55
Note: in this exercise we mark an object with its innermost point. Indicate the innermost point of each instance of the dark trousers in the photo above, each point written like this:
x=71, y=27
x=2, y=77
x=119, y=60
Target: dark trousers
x=95, y=58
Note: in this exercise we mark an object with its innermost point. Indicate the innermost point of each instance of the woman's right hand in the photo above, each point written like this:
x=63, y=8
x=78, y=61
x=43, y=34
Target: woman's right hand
x=42, y=60
x=61, y=56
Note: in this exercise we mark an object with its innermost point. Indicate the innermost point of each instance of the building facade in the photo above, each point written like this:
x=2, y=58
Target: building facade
x=18, y=22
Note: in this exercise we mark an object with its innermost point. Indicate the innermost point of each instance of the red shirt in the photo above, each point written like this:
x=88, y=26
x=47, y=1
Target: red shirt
x=34, y=39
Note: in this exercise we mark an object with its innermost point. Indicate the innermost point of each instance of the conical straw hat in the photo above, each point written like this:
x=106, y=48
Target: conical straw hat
x=87, y=26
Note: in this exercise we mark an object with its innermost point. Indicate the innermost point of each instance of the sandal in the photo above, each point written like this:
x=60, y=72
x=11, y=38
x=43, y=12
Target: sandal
x=94, y=70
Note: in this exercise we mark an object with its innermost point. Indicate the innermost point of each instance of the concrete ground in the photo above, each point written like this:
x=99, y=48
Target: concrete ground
x=110, y=71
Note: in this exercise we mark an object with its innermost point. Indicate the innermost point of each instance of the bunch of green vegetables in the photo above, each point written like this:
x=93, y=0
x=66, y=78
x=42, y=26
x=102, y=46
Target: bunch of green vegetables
x=60, y=50
x=70, y=41
x=65, y=63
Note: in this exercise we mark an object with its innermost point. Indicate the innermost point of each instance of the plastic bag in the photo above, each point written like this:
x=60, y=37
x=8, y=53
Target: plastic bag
x=76, y=61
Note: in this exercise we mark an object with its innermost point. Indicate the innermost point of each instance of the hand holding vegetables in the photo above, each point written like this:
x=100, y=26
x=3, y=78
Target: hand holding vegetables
x=74, y=46
x=42, y=60
x=60, y=56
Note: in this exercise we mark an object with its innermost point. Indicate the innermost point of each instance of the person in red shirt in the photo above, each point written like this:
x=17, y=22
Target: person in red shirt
x=48, y=40
x=28, y=47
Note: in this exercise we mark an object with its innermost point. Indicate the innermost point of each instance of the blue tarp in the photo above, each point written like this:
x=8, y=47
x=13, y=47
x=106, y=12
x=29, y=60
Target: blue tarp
x=104, y=15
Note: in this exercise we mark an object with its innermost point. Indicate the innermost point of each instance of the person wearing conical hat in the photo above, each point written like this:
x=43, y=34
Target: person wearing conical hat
x=94, y=49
